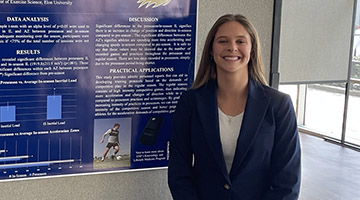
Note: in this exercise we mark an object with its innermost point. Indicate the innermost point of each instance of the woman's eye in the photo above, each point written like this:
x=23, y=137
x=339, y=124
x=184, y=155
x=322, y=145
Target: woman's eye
x=240, y=42
x=222, y=41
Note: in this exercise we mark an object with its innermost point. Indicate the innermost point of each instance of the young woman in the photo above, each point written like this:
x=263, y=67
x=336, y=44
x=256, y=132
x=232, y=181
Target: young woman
x=233, y=137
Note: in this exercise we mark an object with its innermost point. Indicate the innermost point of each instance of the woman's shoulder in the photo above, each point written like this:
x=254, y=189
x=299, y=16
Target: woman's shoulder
x=270, y=91
x=277, y=97
x=208, y=87
x=279, y=101
x=193, y=95
x=189, y=93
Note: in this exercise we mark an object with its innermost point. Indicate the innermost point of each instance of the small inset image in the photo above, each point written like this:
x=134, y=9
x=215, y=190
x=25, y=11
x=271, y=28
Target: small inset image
x=151, y=131
x=112, y=143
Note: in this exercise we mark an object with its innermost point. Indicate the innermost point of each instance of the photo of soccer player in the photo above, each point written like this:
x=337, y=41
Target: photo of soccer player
x=112, y=143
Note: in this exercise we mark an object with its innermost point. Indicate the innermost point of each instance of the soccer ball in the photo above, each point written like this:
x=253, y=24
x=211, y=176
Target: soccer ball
x=118, y=157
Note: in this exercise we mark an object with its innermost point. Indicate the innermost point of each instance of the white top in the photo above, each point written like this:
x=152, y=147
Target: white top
x=229, y=132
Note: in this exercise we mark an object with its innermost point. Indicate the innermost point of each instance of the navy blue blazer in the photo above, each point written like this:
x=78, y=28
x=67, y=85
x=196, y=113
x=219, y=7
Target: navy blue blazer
x=267, y=157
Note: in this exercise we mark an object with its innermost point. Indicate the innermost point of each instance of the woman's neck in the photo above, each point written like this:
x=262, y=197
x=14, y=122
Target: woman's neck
x=233, y=85
x=232, y=93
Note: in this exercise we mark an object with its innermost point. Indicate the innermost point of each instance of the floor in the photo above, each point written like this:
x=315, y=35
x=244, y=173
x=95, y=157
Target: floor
x=329, y=171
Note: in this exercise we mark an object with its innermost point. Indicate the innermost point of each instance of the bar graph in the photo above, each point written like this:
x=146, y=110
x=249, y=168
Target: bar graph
x=39, y=131
x=53, y=108
x=12, y=158
x=41, y=155
x=34, y=164
x=7, y=113
x=34, y=104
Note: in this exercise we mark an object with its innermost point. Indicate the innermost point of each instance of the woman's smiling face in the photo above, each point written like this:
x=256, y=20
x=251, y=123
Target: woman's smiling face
x=231, y=48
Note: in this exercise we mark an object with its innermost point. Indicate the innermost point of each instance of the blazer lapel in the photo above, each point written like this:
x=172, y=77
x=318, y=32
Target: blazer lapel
x=209, y=120
x=256, y=107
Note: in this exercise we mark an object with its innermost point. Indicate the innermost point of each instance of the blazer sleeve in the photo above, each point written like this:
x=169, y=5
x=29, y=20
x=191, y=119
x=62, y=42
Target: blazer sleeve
x=286, y=158
x=180, y=176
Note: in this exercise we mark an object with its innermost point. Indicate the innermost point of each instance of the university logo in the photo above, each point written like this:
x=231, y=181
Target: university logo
x=153, y=3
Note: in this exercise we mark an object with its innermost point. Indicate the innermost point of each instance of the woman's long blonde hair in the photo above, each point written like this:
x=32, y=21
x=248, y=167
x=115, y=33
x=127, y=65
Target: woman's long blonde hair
x=207, y=67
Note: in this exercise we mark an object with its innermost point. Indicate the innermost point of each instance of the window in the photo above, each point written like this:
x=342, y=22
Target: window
x=353, y=126
x=327, y=102
x=322, y=108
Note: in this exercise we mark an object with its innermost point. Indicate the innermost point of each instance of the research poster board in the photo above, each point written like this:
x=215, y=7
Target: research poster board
x=91, y=86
